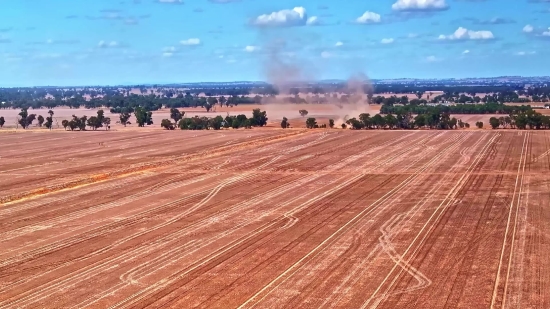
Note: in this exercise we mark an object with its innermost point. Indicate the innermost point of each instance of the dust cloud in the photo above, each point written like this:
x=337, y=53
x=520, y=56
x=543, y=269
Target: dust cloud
x=284, y=68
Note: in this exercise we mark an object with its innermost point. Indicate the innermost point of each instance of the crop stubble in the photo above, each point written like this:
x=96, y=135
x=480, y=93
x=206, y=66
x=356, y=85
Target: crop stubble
x=274, y=218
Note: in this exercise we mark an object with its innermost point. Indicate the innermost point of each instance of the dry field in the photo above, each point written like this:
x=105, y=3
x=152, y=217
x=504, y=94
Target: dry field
x=275, y=219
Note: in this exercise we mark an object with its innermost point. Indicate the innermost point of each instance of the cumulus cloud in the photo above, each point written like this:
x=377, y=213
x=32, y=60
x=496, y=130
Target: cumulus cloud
x=528, y=29
x=326, y=55
x=466, y=52
x=251, y=48
x=284, y=18
x=387, y=41
x=546, y=33
x=369, y=18
x=190, y=42
x=419, y=5
x=312, y=21
x=338, y=44
x=465, y=34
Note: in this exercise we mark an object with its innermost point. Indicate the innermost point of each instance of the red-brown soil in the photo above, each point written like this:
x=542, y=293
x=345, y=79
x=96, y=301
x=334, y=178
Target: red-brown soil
x=275, y=219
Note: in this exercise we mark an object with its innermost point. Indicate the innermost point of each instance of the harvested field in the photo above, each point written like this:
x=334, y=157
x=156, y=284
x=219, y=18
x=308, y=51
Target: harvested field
x=275, y=219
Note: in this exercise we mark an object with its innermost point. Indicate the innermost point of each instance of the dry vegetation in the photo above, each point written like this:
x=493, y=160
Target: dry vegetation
x=275, y=218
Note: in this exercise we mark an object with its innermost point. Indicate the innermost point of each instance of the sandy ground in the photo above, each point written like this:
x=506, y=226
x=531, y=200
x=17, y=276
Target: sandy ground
x=275, y=219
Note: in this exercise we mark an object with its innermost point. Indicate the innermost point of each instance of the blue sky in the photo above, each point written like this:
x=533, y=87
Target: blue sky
x=100, y=42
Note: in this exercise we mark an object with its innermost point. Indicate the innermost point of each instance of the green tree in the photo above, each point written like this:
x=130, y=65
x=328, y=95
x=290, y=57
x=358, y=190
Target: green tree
x=453, y=123
x=303, y=112
x=355, y=124
x=176, y=115
x=65, y=124
x=259, y=118
x=143, y=117
x=49, y=120
x=215, y=123
x=40, y=120
x=167, y=124
x=2, y=122
x=94, y=123
x=420, y=121
x=479, y=125
x=390, y=121
x=331, y=123
x=378, y=121
x=106, y=123
x=366, y=120
x=494, y=122
x=311, y=123
x=185, y=124
x=124, y=117
x=284, y=123
x=344, y=126
x=25, y=120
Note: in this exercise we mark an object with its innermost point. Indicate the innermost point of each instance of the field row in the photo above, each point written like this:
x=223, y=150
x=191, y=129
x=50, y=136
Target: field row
x=273, y=218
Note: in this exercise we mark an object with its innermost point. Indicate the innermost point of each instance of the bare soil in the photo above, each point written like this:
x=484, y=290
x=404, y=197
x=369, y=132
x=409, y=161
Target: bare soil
x=275, y=219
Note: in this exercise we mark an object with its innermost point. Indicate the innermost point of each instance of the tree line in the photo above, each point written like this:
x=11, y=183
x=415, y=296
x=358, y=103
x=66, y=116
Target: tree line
x=175, y=96
x=178, y=120
x=522, y=121
x=491, y=108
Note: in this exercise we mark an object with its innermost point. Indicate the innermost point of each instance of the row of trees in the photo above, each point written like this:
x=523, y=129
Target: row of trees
x=94, y=122
x=491, y=108
x=25, y=120
x=440, y=121
x=522, y=121
x=178, y=120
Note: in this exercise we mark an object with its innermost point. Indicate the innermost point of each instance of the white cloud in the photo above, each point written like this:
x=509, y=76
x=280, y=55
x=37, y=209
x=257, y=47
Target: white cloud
x=103, y=44
x=466, y=52
x=546, y=33
x=192, y=41
x=528, y=29
x=420, y=5
x=312, y=21
x=387, y=41
x=465, y=34
x=338, y=44
x=432, y=59
x=295, y=17
x=523, y=53
x=326, y=55
x=251, y=48
x=169, y=49
x=369, y=18
x=412, y=35
x=167, y=54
